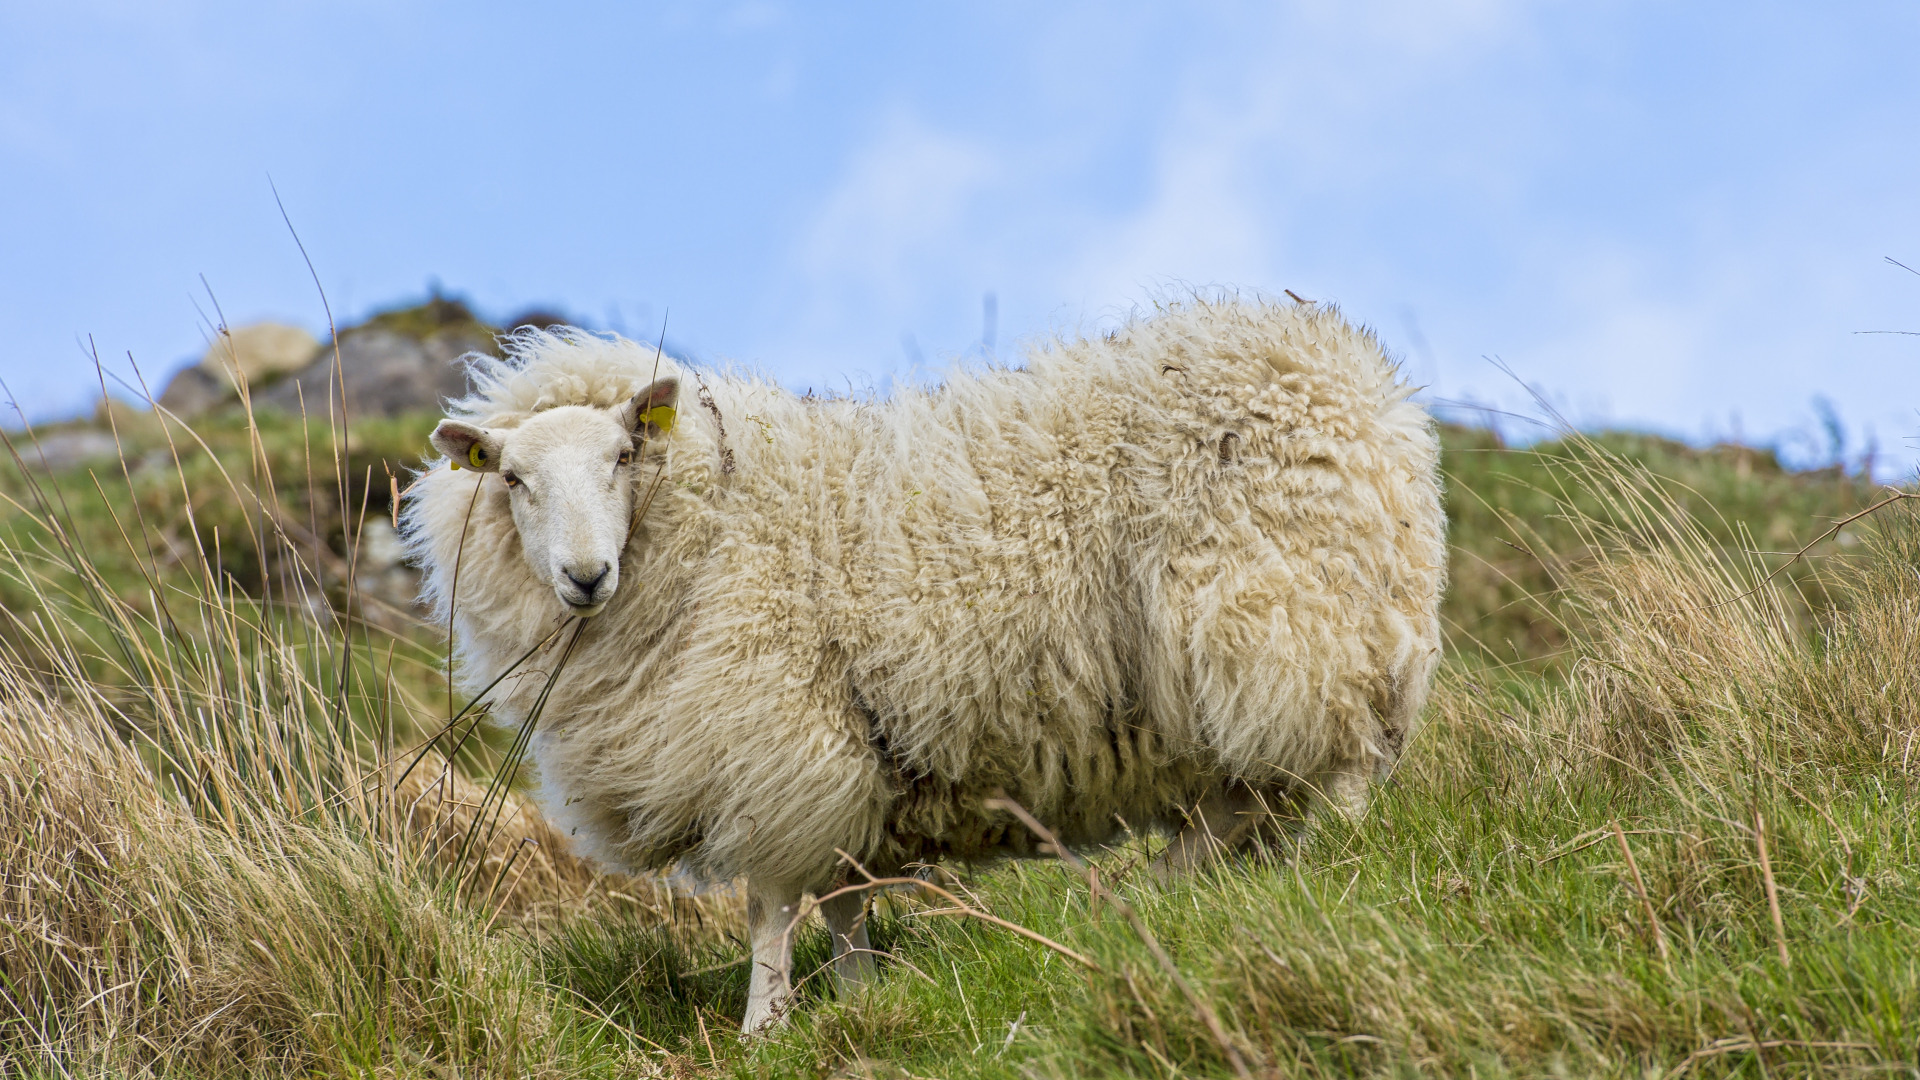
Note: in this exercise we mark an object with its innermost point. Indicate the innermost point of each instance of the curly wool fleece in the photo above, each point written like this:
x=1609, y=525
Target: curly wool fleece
x=1205, y=549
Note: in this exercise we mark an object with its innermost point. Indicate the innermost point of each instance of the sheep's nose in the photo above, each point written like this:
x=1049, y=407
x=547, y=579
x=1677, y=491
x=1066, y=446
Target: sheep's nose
x=588, y=582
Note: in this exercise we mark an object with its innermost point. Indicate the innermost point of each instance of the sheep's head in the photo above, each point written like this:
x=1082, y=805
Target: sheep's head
x=571, y=479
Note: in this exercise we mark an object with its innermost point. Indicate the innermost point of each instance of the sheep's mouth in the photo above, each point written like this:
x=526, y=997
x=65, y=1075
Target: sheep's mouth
x=585, y=595
x=582, y=607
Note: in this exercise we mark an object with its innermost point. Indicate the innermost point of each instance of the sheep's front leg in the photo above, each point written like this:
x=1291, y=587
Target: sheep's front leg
x=847, y=924
x=1219, y=824
x=772, y=911
x=1347, y=791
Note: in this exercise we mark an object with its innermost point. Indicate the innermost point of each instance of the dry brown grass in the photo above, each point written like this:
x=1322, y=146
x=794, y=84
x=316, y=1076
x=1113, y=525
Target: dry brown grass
x=1679, y=642
x=529, y=870
x=141, y=934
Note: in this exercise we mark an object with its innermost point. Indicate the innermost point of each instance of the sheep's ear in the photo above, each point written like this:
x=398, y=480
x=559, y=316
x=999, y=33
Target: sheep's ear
x=467, y=446
x=651, y=413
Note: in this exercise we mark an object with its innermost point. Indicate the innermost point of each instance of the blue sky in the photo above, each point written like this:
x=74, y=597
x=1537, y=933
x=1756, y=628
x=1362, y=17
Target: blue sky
x=1673, y=216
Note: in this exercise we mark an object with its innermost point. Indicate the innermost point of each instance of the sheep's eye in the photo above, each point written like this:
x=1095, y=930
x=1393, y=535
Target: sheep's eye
x=626, y=457
x=512, y=480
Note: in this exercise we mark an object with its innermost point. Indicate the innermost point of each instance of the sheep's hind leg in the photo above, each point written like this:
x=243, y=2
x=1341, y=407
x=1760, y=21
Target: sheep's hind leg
x=772, y=911
x=847, y=924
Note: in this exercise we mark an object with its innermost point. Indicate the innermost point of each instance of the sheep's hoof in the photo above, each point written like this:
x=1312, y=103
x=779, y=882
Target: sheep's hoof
x=765, y=1017
x=766, y=1023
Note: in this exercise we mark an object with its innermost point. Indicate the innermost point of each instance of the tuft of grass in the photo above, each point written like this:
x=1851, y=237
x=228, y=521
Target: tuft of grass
x=1516, y=521
x=439, y=314
x=214, y=915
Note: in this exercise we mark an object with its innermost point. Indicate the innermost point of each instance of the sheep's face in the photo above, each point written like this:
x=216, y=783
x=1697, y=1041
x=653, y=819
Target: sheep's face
x=570, y=476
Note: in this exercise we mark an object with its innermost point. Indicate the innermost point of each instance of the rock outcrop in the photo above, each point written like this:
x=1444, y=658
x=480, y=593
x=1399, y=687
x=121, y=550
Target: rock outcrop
x=59, y=450
x=256, y=354
x=404, y=360
x=260, y=353
x=191, y=392
x=385, y=373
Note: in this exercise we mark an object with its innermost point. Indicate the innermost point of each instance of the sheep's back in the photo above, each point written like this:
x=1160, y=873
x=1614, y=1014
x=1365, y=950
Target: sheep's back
x=1208, y=543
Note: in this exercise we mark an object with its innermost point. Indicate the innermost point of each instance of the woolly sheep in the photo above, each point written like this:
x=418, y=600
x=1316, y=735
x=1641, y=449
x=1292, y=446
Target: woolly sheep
x=1174, y=578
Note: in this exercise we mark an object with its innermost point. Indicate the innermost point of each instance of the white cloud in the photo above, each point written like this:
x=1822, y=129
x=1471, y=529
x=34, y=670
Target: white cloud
x=756, y=15
x=1257, y=120
x=877, y=243
x=1200, y=225
x=1289, y=108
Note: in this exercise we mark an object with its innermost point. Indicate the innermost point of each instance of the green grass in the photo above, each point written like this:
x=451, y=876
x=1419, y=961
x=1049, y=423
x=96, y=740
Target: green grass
x=1513, y=519
x=1467, y=927
x=207, y=875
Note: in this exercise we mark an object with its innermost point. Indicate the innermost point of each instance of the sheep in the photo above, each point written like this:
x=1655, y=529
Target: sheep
x=1180, y=577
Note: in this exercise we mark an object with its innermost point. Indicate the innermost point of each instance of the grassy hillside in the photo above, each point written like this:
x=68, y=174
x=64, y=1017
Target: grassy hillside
x=1514, y=519
x=1662, y=818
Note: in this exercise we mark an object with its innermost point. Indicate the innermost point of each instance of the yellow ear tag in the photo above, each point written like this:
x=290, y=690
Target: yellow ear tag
x=660, y=416
x=476, y=456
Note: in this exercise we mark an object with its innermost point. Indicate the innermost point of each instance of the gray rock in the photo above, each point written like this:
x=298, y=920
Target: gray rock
x=262, y=353
x=448, y=346
x=381, y=569
x=192, y=391
x=259, y=352
x=65, y=449
x=385, y=374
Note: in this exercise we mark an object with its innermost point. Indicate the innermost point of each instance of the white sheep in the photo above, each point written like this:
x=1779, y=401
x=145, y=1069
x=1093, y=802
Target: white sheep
x=1171, y=578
